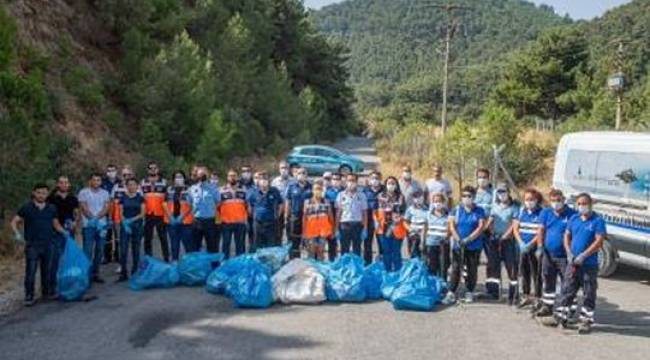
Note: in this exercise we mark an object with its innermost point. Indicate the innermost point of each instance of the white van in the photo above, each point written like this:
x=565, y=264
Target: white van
x=614, y=167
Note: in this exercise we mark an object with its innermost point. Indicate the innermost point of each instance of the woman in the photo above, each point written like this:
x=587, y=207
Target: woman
x=318, y=220
x=525, y=230
x=466, y=224
x=392, y=240
x=437, y=236
x=500, y=245
x=178, y=215
x=389, y=200
x=132, y=209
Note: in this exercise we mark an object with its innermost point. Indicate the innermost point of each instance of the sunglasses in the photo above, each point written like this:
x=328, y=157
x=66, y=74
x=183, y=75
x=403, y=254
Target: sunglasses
x=467, y=196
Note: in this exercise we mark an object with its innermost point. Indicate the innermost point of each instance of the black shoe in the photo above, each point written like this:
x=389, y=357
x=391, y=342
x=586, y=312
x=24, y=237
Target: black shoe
x=29, y=301
x=98, y=280
x=584, y=328
x=544, y=312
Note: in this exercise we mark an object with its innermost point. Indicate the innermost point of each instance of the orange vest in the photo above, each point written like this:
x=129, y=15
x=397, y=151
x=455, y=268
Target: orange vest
x=185, y=206
x=115, y=211
x=232, y=207
x=399, y=230
x=318, y=223
x=154, y=197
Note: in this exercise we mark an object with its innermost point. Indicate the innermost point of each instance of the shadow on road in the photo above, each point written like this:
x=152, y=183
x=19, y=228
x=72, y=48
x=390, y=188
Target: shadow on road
x=630, y=274
x=610, y=318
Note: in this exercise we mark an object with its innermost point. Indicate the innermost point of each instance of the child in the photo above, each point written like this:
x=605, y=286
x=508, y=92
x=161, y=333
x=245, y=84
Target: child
x=416, y=218
x=318, y=221
x=437, y=236
x=392, y=239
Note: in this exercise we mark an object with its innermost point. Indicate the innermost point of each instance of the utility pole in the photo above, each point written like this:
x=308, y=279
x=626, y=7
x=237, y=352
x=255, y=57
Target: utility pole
x=616, y=83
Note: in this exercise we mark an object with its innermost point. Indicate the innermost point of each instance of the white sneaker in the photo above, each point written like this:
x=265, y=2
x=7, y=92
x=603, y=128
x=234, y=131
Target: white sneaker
x=118, y=269
x=449, y=299
x=469, y=297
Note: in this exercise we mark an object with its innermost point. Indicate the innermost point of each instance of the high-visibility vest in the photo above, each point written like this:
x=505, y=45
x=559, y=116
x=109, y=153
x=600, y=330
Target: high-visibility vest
x=154, y=197
x=184, y=205
x=318, y=223
x=232, y=207
x=115, y=211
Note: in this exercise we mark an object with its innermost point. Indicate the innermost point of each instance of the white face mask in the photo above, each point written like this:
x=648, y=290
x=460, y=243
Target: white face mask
x=531, y=204
x=584, y=209
x=503, y=197
x=391, y=187
x=437, y=206
x=557, y=205
x=467, y=202
x=263, y=183
x=407, y=175
x=482, y=182
x=418, y=201
x=246, y=175
x=179, y=181
x=374, y=182
x=111, y=174
x=352, y=186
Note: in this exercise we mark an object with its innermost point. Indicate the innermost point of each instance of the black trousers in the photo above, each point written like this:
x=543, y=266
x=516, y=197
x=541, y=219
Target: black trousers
x=151, y=223
x=368, y=242
x=280, y=228
x=531, y=274
x=207, y=229
x=469, y=258
x=265, y=234
x=576, y=277
x=294, y=233
x=415, y=241
x=551, y=269
x=438, y=259
x=501, y=252
x=37, y=256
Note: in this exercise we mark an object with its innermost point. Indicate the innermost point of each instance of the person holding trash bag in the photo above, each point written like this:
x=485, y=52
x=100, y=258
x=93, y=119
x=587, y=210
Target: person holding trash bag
x=94, y=204
x=416, y=218
x=178, y=215
x=584, y=237
x=318, y=222
x=331, y=193
x=297, y=193
x=389, y=199
x=526, y=232
x=266, y=204
x=40, y=225
x=67, y=212
x=154, y=190
x=204, y=199
x=391, y=240
x=553, y=224
x=501, y=246
x=466, y=223
x=233, y=212
x=437, y=236
x=351, y=217
x=133, y=209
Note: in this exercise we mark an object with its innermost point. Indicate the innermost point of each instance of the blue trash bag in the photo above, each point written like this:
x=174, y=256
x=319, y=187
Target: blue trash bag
x=373, y=276
x=344, y=281
x=252, y=287
x=217, y=282
x=153, y=273
x=416, y=289
x=388, y=284
x=73, y=275
x=273, y=257
x=194, y=268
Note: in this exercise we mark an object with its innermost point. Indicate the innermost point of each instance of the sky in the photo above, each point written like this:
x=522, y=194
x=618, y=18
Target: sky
x=577, y=9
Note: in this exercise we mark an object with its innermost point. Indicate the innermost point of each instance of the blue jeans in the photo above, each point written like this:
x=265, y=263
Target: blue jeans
x=392, y=252
x=56, y=250
x=93, y=246
x=233, y=232
x=180, y=234
x=351, y=236
x=135, y=240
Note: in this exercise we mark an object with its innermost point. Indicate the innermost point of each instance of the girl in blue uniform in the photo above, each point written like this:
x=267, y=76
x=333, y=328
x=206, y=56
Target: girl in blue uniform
x=526, y=229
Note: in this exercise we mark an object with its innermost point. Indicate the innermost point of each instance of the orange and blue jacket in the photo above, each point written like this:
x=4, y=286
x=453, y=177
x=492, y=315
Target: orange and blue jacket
x=154, y=197
x=317, y=220
x=233, y=208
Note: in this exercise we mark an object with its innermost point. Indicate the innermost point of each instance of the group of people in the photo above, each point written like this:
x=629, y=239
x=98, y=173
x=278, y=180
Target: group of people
x=374, y=217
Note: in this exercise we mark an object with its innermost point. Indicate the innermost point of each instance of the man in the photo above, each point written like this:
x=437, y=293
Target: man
x=67, y=213
x=281, y=183
x=372, y=191
x=204, y=200
x=409, y=185
x=438, y=185
x=266, y=203
x=154, y=190
x=553, y=224
x=351, y=217
x=40, y=224
x=247, y=182
x=114, y=213
x=109, y=181
x=94, y=203
x=233, y=212
x=331, y=193
x=584, y=237
x=484, y=191
x=294, y=203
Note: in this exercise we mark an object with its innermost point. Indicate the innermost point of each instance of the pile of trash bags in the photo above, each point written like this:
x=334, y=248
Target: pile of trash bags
x=153, y=273
x=194, y=268
x=73, y=275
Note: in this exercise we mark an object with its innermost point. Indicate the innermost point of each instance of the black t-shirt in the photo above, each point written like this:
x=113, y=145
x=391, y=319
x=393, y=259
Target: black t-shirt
x=65, y=206
x=38, y=223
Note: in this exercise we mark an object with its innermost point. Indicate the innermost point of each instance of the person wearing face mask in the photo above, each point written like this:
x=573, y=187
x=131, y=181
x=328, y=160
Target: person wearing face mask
x=154, y=190
x=372, y=192
x=500, y=245
x=351, y=217
x=178, y=216
x=584, y=237
x=409, y=185
x=416, y=217
x=265, y=202
x=109, y=182
x=204, y=200
x=331, y=193
x=466, y=223
x=297, y=194
x=234, y=213
x=115, y=213
x=438, y=185
x=248, y=182
x=553, y=223
x=389, y=200
x=281, y=183
x=437, y=241
x=526, y=232
x=318, y=220
x=133, y=210
x=395, y=231
x=484, y=191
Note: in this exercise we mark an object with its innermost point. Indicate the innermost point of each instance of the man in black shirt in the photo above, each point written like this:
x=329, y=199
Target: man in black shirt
x=67, y=213
x=39, y=222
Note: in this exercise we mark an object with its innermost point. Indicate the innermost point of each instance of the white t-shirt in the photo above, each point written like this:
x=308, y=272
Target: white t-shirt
x=95, y=201
x=441, y=186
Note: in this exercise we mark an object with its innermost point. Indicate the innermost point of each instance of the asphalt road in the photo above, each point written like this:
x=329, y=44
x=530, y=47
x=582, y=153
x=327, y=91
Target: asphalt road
x=192, y=324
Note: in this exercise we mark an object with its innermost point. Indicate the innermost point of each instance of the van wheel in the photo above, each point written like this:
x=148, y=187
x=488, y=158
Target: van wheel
x=607, y=260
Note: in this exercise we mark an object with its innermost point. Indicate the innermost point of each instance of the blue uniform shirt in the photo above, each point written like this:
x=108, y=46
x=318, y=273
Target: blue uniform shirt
x=467, y=222
x=484, y=199
x=529, y=222
x=555, y=226
x=265, y=205
x=372, y=197
x=583, y=234
x=296, y=196
x=503, y=217
x=204, y=197
x=331, y=194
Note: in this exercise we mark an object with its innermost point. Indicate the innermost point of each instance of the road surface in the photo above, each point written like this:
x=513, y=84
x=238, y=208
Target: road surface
x=189, y=323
